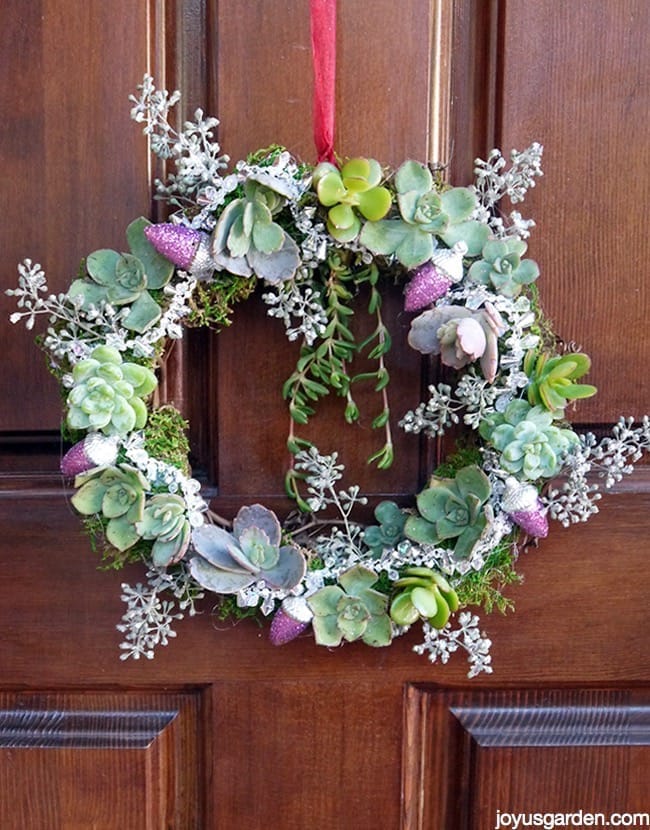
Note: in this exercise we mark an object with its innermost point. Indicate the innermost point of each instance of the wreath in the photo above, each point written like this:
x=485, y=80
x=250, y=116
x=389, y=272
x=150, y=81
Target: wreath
x=313, y=237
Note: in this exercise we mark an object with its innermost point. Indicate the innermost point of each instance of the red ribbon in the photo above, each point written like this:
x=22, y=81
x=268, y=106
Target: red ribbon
x=323, y=50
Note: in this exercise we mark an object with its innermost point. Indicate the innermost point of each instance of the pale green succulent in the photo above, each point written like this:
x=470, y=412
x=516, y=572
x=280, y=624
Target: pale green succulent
x=355, y=187
x=228, y=562
x=390, y=530
x=126, y=279
x=248, y=241
x=452, y=508
x=426, y=214
x=108, y=395
x=423, y=594
x=553, y=380
x=502, y=267
x=351, y=610
x=530, y=444
x=118, y=495
x=165, y=520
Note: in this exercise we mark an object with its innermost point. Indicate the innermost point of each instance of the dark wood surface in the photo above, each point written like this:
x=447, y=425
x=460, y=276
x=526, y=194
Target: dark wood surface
x=236, y=732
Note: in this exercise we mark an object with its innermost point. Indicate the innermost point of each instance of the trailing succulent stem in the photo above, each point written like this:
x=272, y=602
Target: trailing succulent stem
x=323, y=367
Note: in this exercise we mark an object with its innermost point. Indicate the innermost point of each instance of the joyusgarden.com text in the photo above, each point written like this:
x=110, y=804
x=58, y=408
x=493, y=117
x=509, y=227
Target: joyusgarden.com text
x=579, y=818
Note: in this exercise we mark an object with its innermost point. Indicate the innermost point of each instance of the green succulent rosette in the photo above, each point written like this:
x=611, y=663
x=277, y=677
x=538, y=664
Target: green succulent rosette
x=553, y=380
x=452, y=509
x=117, y=494
x=390, y=530
x=108, y=395
x=426, y=215
x=164, y=520
x=126, y=280
x=501, y=266
x=531, y=444
x=354, y=189
x=351, y=610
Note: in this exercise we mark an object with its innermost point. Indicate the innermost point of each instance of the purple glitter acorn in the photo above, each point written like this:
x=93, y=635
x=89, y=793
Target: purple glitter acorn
x=426, y=286
x=524, y=507
x=95, y=450
x=187, y=248
x=290, y=620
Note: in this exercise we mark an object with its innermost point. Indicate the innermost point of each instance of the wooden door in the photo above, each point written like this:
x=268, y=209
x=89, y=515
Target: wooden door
x=221, y=729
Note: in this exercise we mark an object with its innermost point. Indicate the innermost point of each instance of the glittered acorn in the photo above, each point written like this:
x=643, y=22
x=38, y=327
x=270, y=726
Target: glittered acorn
x=449, y=261
x=290, y=620
x=427, y=285
x=187, y=248
x=95, y=450
x=524, y=507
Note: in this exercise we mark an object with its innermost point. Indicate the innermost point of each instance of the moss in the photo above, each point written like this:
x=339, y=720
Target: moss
x=463, y=456
x=166, y=438
x=212, y=303
x=542, y=327
x=383, y=584
x=112, y=559
x=484, y=588
x=227, y=610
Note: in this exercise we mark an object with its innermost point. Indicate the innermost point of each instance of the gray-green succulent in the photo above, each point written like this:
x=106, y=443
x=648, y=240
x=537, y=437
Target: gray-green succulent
x=351, y=610
x=423, y=593
x=530, y=443
x=118, y=495
x=226, y=562
x=164, y=520
x=108, y=395
x=354, y=188
x=501, y=266
x=452, y=509
x=247, y=241
x=425, y=213
x=390, y=530
x=126, y=279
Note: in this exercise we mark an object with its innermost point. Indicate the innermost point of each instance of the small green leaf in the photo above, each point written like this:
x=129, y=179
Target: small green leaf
x=402, y=610
x=381, y=420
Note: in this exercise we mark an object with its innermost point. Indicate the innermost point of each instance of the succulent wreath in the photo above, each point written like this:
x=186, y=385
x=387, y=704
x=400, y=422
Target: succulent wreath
x=313, y=236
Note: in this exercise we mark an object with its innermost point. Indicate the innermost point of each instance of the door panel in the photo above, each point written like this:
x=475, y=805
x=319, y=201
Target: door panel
x=530, y=752
x=237, y=732
x=101, y=760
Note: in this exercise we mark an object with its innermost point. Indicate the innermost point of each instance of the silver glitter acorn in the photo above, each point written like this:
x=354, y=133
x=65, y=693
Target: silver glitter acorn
x=95, y=450
x=524, y=507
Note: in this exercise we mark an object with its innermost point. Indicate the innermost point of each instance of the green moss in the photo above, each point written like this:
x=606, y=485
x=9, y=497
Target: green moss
x=542, y=327
x=266, y=156
x=484, y=588
x=166, y=438
x=383, y=584
x=463, y=456
x=212, y=303
x=227, y=610
x=111, y=558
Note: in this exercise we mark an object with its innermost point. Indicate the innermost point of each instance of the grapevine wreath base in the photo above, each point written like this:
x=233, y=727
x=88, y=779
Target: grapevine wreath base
x=314, y=238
